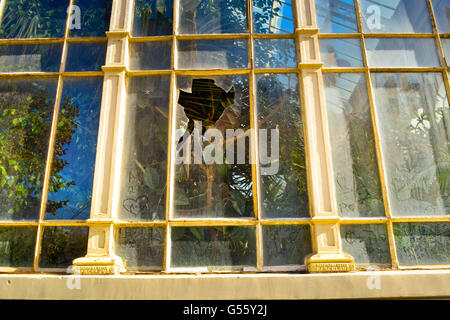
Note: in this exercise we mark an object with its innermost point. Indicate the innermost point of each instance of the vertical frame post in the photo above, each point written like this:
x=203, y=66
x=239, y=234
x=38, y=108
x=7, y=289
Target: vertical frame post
x=327, y=247
x=100, y=258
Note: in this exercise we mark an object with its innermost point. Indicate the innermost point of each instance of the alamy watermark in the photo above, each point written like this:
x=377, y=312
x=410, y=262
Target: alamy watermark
x=373, y=282
x=373, y=20
x=75, y=17
x=73, y=282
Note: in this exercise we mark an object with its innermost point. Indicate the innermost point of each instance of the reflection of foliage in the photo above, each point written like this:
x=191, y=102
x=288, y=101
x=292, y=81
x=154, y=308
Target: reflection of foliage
x=25, y=125
x=61, y=245
x=213, y=246
x=67, y=126
x=422, y=243
x=269, y=11
x=47, y=18
x=17, y=246
x=153, y=17
x=353, y=145
x=275, y=53
x=34, y=19
x=213, y=16
x=285, y=193
x=416, y=142
x=95, y=17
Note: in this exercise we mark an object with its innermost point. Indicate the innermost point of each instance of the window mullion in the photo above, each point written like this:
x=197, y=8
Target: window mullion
x=327, y=248
x=100, y=258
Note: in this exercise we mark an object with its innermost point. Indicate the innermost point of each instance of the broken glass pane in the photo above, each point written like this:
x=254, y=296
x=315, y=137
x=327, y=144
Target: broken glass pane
x=211, y=179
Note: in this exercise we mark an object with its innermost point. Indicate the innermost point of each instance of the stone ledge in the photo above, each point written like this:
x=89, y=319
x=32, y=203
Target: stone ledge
x=360, y=285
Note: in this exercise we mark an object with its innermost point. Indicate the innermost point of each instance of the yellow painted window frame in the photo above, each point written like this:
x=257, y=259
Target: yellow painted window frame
x=324, y=221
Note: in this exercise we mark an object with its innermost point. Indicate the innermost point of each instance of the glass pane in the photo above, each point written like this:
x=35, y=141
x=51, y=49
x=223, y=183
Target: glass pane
x=358, y=188
x=211, y=179
x=413, y=119
x=30, y=57
x=442, y=15
x=275, y=53
x=17, y=246
x=368, y=244
x=70, y=188
x=61, y=245
x=446, y=47
x=34, y=19
x=213, y=247
x=151, y=55
x=402, y=52
x=283, y=173
x=286, y=245
x=206, y=16
x=336, y=16
x=141, y=248
x=90, y=18
x=152, y=18
x=341, y=53
x=422, y=243
x=86, y=56
x=26, y=108
x=395, y=16
x=144, y=166
x=273, y=16
x=212, y=54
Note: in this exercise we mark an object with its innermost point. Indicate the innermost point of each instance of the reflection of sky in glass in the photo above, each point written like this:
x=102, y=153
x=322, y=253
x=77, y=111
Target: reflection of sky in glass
x=154, y=55
x=446, y=47
x=275, y=53
x=401, y=52
x=441, y=14
x=341, y=52
x=212, y=54
x=275, y=17
x=86, y=56
x=80, y=152
x=396, y=16
x=336, y=16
